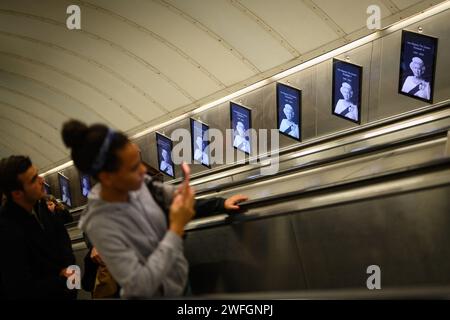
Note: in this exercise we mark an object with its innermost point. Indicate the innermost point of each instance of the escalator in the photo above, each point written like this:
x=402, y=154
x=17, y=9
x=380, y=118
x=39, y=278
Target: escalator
x=378, y=194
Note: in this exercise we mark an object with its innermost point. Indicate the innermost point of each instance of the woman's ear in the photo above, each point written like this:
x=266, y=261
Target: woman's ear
x=105, y=178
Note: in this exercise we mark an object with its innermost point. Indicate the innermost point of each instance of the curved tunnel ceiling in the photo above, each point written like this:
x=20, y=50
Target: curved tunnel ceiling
x=137, y=63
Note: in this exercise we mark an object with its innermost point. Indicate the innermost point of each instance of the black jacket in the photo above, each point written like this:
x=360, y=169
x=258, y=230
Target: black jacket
x=63, y=215
x=33, y=256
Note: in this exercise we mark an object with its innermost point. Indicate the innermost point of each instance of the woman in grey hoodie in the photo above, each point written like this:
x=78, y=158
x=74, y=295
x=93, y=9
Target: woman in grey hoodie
x=138, y=233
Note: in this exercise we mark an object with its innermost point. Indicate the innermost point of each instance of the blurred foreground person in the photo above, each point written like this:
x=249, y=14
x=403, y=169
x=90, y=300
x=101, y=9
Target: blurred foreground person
x=135, y=223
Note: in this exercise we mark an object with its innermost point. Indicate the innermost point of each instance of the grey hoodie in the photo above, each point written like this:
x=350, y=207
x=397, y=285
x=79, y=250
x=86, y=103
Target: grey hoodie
x=133, y=240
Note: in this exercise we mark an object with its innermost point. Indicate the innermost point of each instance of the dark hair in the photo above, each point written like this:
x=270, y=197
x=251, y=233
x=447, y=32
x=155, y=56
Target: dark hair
x=58, y=205
x=86, y=142
x=10, y=169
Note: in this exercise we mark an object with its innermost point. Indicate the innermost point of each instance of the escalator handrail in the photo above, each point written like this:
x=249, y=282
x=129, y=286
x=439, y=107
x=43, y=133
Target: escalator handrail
x=315, y=163
x=396, y=173
x=242, y=216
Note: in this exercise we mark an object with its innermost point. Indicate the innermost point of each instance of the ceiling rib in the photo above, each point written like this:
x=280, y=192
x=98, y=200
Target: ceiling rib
x=53, y=109
x=90, y=61
x=74, y=78
x=37, y=134
x=28, y=114
x=159, y=38
x=112, y=44
x=325, y=18
x=391, y=6
x=266, y=27
x=210, y=33
x=13, y=150
x=37, y=160
x=5, y=135
x=59, y=92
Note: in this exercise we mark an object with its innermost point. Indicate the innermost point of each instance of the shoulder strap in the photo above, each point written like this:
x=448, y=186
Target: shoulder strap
x=158, y=196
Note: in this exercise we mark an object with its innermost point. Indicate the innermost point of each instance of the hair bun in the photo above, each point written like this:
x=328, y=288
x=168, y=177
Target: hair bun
x=74, y=133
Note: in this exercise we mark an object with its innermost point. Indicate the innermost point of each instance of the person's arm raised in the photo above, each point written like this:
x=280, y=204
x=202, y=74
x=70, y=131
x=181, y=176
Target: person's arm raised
x=182, y=207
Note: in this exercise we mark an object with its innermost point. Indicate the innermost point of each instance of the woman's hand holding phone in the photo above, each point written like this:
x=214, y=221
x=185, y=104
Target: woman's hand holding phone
x=182, y=207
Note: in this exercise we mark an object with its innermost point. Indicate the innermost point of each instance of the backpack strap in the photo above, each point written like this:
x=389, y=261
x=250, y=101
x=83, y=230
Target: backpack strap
x=158, y=195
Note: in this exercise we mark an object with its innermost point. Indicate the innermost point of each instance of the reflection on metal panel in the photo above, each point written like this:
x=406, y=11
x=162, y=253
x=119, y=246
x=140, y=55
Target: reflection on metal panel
x=406, y=234
x=255, y=256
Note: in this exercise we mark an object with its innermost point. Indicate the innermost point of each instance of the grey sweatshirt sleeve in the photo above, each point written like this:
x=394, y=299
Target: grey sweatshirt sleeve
x=141, y=277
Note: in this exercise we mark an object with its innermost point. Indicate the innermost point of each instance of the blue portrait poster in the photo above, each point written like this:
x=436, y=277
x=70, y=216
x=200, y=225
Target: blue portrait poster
x=240, y=123
x=164, y=148
x=346, y=97
x=64, y=185
x=289, y=110
x=417, y=66
x=200, y=142
x=85, y=183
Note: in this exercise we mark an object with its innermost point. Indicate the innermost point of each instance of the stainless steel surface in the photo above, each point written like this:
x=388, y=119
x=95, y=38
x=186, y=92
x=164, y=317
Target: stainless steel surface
x=390, y=102
x=447, y=148
x=406, y=233
x=360, y=134
x=79, y=246
x=400, y=222
x=74, y=233
x=255, y=256
x=409, y=292
x=360, y=142
x=326, y=240
x=364, y=166
x=331, y=195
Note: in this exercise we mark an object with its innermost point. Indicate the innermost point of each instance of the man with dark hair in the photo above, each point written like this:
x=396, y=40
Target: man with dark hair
x=35, y=247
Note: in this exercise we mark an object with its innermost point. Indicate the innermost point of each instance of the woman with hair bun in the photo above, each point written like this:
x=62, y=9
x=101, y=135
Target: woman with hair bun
x=123, y=221
x=135, y=223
